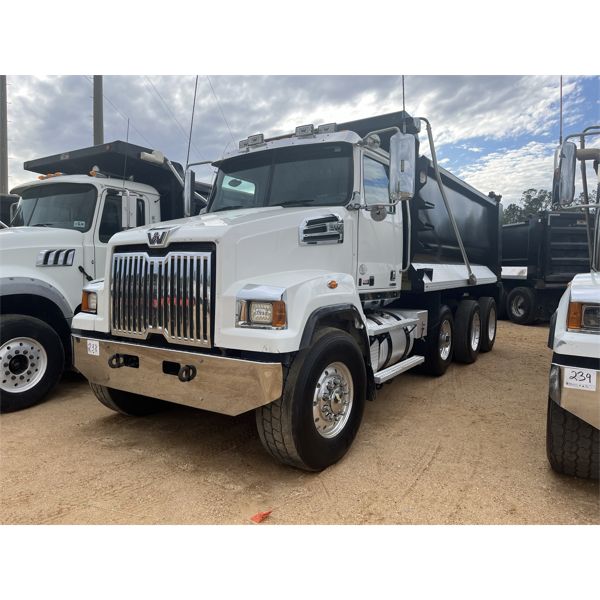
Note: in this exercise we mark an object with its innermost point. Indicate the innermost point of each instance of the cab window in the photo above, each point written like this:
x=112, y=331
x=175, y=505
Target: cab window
x=375, y=181
x=112, y=216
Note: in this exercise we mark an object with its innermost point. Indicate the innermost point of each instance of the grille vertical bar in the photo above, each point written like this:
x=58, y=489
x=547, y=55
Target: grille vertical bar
x=169, y=295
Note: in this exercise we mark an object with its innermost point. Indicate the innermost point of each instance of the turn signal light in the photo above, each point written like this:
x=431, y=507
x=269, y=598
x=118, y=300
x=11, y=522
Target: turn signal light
x=574, y=315
x=89, y=302
x=279, y=316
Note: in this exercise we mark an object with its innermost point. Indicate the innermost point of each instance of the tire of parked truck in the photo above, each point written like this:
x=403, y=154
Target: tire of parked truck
x=487, y=308
x=315, y=421
x=32, y=359
x=502, y=305
x=572, y=445
x=126, y=403
x=520, y=305
x=439, y=346
x=468, y=331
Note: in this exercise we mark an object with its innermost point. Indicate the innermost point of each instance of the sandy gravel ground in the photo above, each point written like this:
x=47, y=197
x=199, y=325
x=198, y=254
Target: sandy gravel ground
x=465, y=448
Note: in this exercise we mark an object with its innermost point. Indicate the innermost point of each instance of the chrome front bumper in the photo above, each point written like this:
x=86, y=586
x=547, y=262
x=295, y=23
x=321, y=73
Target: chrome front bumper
x=584, y=404
x=223, y=385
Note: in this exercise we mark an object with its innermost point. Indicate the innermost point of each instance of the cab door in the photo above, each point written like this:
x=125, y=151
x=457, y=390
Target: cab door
x=111, y=222
x=379, y=242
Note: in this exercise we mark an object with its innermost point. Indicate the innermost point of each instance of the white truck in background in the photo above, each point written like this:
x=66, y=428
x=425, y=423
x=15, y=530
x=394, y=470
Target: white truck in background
x=58, y=240
x=573, y=419
x=329, y=261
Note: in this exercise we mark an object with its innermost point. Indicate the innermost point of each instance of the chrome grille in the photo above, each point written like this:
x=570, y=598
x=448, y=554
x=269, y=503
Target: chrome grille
x=162, y=294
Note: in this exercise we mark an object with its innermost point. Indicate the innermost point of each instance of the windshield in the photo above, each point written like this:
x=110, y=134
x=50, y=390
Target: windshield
x=311, y=175
x=62, y=205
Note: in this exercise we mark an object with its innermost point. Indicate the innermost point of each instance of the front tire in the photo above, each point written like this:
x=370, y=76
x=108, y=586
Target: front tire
x=126, y=403
x=521, y=306
x=32, y=359
x=572, y=445
x=316, y=420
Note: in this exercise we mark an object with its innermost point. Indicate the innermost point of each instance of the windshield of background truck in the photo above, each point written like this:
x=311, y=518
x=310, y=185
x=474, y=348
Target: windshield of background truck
x=61, y=205
x=311, y=175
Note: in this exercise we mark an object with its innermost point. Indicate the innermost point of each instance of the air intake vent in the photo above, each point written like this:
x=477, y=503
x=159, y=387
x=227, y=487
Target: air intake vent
x=56, y=258
x=328, y=229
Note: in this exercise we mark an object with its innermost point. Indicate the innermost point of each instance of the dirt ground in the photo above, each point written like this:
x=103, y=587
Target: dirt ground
x=468, y=447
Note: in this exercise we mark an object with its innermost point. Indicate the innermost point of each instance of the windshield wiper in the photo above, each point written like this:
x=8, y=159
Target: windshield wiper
x=296, y=202
x=43, y=225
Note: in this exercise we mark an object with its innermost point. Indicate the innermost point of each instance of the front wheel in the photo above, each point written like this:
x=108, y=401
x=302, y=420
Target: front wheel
x=316, y=420
x=32, y=358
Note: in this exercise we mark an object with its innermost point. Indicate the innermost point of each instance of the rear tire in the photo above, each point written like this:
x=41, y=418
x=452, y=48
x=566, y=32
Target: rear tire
x=489, y=324
x=32, y=359
x=126, y=403
x=572, y=445
x=468, y=331
x=296, y=429
x=521, y=306
x=439, y=346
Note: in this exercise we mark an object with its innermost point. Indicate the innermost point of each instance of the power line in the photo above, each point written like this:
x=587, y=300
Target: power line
x=220, y=109
x=125, y=117
x=171, y=114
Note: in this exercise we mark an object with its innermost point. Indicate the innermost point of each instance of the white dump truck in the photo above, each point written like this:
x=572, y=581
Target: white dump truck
x=58, y=240
x=573, y=425
x=328, y=262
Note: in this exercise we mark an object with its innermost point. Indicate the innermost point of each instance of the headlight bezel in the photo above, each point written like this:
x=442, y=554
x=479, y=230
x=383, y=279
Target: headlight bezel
x=269, y=299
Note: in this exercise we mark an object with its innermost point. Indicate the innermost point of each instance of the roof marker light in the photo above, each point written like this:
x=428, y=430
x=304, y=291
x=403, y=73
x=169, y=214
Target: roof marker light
x=255, y=140
x=326, y=128
x=303, y=130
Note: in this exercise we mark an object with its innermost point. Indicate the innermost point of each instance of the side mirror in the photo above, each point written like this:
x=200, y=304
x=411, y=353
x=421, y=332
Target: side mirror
x=565, y=165
x=189, y=183
x=403, y=149
x=128, y=210
x=13, y=210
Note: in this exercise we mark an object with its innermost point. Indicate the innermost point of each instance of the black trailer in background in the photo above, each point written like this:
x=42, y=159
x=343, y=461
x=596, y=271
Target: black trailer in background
x=539, y=258
x=6, y=201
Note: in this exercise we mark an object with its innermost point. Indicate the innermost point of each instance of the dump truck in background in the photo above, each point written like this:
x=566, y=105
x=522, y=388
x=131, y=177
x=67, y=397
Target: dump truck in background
x=328, y=262
x=539, y=258
x=6, y=202
x=58, y=240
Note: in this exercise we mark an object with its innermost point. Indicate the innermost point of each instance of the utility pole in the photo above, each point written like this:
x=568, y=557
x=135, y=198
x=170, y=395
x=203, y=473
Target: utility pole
x=98, y=111
x=3, y=138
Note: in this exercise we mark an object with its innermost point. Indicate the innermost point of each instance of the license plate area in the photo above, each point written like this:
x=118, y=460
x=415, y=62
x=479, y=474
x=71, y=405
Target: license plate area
x=579, y=379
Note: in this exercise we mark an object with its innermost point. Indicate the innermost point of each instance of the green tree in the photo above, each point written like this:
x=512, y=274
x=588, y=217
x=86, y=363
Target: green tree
x=532, y=202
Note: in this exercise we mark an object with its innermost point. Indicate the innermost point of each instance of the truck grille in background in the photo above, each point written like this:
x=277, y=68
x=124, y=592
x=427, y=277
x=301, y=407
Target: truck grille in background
x=162, y=294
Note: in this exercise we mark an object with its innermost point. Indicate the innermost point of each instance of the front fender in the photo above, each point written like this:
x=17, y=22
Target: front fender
x=12, y=286
x=305, y=293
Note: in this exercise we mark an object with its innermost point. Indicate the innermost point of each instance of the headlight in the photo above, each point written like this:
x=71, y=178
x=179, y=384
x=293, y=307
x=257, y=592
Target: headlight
x=254, y=313
x=583, y=317
x=89, y=302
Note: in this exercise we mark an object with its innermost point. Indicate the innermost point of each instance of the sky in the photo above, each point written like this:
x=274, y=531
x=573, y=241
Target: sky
x=498, y=133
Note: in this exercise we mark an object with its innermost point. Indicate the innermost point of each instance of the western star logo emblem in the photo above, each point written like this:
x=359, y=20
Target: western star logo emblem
x=158, y=237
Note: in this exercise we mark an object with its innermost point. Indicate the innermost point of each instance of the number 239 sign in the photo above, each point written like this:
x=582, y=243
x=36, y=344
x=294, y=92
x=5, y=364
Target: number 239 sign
x=581, y=379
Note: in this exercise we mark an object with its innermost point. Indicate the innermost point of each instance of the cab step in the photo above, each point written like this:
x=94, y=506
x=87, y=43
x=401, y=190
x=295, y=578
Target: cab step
x=404, y=365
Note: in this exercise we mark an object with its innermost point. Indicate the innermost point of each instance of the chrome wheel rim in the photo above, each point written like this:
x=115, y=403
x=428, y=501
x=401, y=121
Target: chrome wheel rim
x=445, y=339
x=332, y=400
x=24, y=362
x=475, y=331
x=517, y=306
x=492, y=324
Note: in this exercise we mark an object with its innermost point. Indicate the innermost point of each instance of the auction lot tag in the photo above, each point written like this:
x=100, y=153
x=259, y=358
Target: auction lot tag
x=93, y=347
x=581, y=379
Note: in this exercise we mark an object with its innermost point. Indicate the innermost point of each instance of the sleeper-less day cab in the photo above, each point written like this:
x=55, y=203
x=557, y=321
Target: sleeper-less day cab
x=328, y=262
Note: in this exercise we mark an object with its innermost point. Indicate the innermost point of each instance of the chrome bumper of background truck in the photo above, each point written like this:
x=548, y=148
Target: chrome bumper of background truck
x=224, y=385
x=582, y=403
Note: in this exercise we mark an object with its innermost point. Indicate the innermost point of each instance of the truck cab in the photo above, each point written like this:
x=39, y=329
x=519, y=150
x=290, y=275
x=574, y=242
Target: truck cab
x=573, y=417
x=329, y=261
x=57, y=242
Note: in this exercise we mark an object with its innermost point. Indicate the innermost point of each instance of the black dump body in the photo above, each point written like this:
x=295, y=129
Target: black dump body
x=432, y=237
x=552, y=245
x=122, y=160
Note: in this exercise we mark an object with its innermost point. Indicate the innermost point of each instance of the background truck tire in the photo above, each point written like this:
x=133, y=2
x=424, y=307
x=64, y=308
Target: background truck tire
x=467, y=331
x=572, y=445
x=520, y=305
x=502, y=304
x=487, y=307
x=126, y=403
x=439, y=350
x=288, y=426
x=32, y=359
